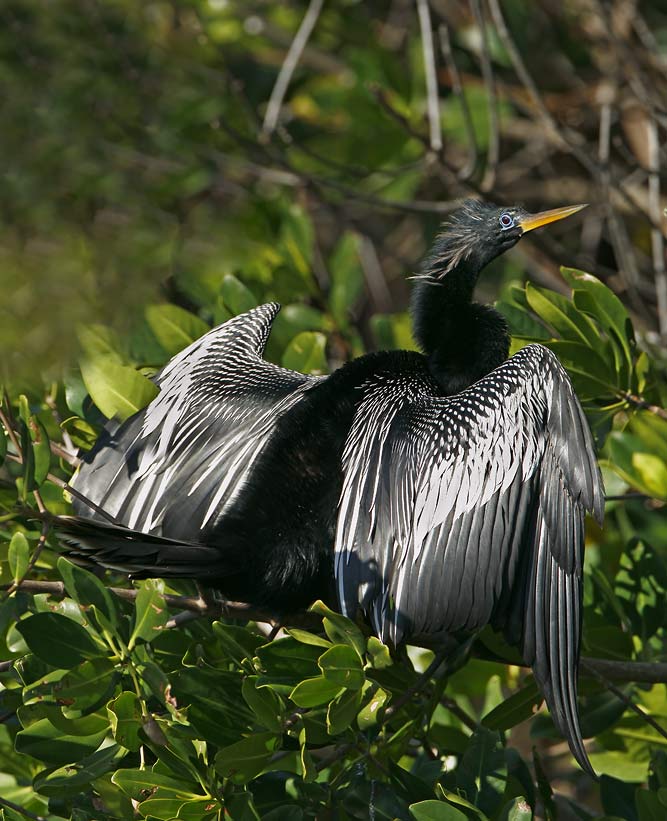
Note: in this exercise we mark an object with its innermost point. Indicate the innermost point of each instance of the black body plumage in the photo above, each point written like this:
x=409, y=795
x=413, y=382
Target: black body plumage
x=435, y=492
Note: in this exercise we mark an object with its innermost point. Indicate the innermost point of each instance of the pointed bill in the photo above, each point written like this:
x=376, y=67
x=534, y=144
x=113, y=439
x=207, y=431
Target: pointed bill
x=533, y=221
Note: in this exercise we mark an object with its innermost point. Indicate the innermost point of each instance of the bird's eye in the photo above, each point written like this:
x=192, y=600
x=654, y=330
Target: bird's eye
x=506, y=221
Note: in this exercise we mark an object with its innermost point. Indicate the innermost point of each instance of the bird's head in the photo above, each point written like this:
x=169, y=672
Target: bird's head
x=478, y=232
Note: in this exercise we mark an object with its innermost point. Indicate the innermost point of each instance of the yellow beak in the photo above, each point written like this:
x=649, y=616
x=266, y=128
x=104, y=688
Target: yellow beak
x=533, y=221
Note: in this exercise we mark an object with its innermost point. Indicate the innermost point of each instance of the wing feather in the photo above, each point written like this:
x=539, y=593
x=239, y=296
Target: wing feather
x=174, y=466
x=465, y=510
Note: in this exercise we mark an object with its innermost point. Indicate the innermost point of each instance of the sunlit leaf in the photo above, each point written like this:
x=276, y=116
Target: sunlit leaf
x=117, y=390
x=306, y=353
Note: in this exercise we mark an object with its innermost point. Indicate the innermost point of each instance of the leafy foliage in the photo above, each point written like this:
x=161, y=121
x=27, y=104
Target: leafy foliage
x=110, y=705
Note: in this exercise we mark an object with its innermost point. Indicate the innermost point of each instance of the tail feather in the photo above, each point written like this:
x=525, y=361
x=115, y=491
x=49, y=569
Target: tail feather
x=141, y=555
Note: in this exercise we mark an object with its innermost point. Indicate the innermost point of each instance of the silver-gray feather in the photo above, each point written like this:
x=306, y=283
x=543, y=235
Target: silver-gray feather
x=465, y=510
x=219, y=401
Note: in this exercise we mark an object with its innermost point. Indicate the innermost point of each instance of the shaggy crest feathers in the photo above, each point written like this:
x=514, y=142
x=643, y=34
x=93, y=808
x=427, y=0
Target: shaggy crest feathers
x=454, y=242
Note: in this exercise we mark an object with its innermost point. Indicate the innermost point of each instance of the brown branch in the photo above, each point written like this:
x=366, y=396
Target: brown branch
x=4, y=802
x=629, y=703
x=637, y=671
x=642, y=404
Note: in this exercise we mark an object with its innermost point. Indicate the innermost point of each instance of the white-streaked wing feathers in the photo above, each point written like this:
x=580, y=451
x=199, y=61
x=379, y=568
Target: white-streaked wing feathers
x=463, y=510
x=218, y=403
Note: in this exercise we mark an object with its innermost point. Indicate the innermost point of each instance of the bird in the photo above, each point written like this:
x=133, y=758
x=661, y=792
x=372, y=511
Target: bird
x=429, y=492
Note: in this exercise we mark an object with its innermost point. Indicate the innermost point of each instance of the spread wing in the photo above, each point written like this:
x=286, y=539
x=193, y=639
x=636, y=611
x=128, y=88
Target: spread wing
x=466, y=510
x=171, y=468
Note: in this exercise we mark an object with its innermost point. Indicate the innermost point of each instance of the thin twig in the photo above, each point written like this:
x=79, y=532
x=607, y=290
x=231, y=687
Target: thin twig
x=637, y=671
x=8, y=421
x=520, y=68
x=457, y=88
x=46, y=527
x=63, y=485
x=493, y=151
x=289, y=65
x=374, y=275
x=4, y=802
x=642, y=404
x=430, y=71
x=657, y=243
x=627, y=701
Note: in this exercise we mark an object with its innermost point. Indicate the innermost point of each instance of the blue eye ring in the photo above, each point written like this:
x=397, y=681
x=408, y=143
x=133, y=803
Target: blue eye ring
x=506, y=221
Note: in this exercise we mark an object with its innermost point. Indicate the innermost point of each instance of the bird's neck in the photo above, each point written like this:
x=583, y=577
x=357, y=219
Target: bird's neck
x=463, y=340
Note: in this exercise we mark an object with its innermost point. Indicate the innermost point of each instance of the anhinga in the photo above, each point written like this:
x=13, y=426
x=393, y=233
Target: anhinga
x=436, y=493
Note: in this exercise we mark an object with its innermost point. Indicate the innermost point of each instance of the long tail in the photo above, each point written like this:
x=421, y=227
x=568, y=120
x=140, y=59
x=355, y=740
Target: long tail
x=141, y=555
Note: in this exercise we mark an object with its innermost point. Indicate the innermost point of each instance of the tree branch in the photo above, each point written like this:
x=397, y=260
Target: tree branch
x=289, y=65
x=639, y=671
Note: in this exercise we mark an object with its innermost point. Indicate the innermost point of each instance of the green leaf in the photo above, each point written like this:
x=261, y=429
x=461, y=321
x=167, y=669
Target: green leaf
x=126, y=719
x=117, y=390
x=436, y=811
x=286, y=662
x=562, y=316
x=151, y=613
x=618, y=764
x=44, y=741
x=515, y=709
x=73, y=777
x=342, y=711
x=85, y=686
x=137, y=784
x=237, y=642
x=41, y=451
x=306, y=353
x=393, y=331
x=297, y=236
x=521, y=323
x=308, y=769
x=99, y=342
x=368, y=716
x=175, y=809
x=340, y=629
x=518, y=809
x=652, y=430
x=265, y=704
x=644, y=471
x=174, y=327
x=244, y=760
x=314, y=691
x=57, y=640
x=236, y=296
x=379, y=654
x=594, y=298
x=18, y=556
x=308, y=638
x=86, y=589
x=342, y=666
x=583, y=361
x=347, y=277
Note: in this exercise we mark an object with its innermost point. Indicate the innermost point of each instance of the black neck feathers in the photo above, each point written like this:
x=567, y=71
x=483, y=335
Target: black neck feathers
x=463, y=340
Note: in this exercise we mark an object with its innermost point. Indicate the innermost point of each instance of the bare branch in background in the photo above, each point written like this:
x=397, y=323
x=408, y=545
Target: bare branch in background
x=657, y=241
x=433, y=103
x=457, y=88
x=375, y=279
x=520, y=67
x=493, y=152
x=289, y=65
